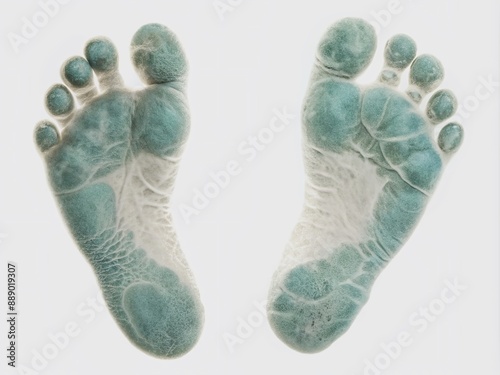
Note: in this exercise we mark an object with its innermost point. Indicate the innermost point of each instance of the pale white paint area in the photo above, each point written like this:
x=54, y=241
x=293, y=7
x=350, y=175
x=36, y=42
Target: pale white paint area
x=143, y=187
x=341, y=194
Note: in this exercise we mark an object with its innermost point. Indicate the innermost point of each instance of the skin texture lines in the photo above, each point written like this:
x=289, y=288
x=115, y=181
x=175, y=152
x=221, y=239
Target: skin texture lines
x=112, y=169
x=372, y=163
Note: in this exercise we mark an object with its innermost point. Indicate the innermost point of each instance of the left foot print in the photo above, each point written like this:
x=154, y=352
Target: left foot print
x=372, y=164
x=112, y=171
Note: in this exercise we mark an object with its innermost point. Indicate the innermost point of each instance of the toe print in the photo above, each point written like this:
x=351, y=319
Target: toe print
x=372, y=163
x=112, y=170
x=60, y=103
x=102, y=57
x=46, y=135
x=78, y=75
x=450, y=138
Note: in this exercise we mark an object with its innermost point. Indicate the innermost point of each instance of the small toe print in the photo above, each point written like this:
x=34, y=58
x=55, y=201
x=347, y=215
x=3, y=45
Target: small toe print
x=46, y=135
x=426, y=72
x=450, y=138
x=77, y=72
x=59, y=101
x=102, y=56
x=400, y=51
x=442, y=105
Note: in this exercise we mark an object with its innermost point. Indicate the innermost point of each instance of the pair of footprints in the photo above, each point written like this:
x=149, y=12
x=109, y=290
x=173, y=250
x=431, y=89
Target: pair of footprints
x=371, y=161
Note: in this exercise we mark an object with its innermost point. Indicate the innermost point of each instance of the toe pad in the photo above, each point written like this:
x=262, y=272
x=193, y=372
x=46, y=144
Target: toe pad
x=347, y=47
x=450, y=138
x=46, y=135
x=400, y=51
x=77, y=72
x=426, y=72
x=59, y=100
x=441, y=106
x=157, y=54
x=101, y=55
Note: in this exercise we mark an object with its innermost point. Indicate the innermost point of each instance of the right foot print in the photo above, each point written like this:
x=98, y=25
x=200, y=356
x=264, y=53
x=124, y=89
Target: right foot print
x=112, y=171
x=372, y=164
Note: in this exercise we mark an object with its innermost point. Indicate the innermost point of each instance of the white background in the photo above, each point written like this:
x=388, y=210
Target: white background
x=255, y=59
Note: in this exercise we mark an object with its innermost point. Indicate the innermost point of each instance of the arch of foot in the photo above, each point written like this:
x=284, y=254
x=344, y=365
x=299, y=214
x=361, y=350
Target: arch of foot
x=158, y=313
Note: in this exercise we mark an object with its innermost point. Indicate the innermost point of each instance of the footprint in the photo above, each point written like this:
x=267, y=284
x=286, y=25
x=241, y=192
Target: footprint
x=112, y=170
x=372, y=163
